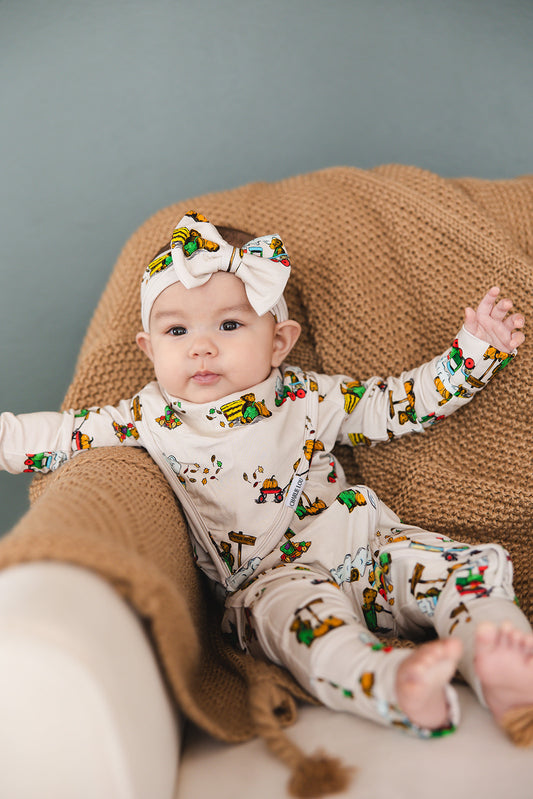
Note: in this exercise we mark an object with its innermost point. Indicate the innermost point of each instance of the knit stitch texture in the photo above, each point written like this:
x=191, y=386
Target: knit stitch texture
x=403, y=251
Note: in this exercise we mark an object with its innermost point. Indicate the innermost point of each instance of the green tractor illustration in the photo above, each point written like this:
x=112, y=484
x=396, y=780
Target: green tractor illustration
x=295, y=389
x=351, y=499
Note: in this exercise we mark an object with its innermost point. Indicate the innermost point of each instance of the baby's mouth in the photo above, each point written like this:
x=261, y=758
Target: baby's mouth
x=205, y=378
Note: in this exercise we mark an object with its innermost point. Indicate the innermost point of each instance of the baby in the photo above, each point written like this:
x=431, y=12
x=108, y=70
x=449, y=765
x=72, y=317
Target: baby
x=309, y=567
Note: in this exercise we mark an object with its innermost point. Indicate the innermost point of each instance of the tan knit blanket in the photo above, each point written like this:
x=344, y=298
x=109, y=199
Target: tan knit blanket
x=403, y=251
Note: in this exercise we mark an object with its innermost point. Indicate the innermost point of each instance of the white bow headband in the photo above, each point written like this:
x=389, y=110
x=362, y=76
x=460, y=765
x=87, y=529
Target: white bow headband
x=197, y=251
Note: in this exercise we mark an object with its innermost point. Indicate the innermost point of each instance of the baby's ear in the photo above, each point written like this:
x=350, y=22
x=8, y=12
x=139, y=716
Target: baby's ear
x=286, y=335
x=144, y=343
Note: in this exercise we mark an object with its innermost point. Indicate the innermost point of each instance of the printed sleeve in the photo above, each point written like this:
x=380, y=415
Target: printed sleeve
x=381, y=409
x=42, y=442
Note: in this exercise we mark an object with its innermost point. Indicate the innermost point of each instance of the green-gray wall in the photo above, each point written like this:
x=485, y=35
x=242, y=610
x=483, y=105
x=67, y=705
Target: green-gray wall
x=115, y=108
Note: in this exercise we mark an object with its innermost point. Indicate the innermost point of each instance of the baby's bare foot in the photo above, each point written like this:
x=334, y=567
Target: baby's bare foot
x=504, y=664
x=421, y=680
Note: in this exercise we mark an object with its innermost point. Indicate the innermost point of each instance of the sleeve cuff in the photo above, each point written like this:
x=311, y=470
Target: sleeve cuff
x=470, y=364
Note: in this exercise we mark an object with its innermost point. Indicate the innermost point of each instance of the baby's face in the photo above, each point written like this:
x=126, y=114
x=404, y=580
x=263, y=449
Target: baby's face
x=208, y=342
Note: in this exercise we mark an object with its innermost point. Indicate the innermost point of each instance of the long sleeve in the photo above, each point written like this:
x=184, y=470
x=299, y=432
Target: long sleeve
x=41, y=442
x=380, y=409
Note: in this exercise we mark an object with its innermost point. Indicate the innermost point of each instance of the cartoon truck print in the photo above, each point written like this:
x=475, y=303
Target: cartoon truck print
x=453, y=363
x=356, y=439
x=295, y=389
x=380, y=579
x=245, y=410
x=307, y=630
x=191, y=241
x=407, y=413
x=44, y=461
x=311, y=508
x=81, y=440
x=351, y=499
x=473, y=583
x=271, y=488
x=449, y=554
x=125, y=431
x=447, y=395
x=197, y=216
x=159, y=264
x=170, y=420
x=254, y=249
x=432, y=418
x=260, y=247
x=291, y=550
x=455, y=360
x=497, y=361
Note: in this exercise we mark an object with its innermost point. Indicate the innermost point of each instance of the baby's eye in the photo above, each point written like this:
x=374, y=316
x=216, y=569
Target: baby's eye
x=230, y=324
x=177, y=330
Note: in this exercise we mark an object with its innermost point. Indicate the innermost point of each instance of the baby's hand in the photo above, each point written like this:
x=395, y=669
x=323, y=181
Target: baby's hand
x=492, y=322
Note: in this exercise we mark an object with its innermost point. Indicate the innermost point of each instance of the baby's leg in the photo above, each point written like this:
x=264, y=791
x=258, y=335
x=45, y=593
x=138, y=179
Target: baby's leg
x=503, y=662
x=474, y=604
x=303, y=621
x=422, y=680
x=478, y=590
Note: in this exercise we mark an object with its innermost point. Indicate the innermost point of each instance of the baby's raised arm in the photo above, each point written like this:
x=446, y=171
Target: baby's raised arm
x=380, y=409
x=493, y=322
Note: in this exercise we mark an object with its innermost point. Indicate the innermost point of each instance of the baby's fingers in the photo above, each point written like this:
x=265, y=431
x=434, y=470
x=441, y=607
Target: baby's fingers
x=508, y=334
x=486, y=306
x=470, y=318
x=514, y=322
x=517, y=338
x=501, y=309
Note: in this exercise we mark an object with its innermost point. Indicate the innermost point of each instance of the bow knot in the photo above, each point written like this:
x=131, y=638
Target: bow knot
x=199, y=251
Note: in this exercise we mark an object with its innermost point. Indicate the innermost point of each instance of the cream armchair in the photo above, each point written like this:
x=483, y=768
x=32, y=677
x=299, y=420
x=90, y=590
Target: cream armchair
x=114, y=679
x=85, y=713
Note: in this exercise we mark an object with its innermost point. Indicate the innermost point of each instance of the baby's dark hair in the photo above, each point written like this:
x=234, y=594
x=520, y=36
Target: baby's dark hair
x=237, y=238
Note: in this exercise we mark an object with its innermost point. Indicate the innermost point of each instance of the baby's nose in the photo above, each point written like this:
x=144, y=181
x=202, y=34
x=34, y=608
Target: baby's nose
x=203, y=345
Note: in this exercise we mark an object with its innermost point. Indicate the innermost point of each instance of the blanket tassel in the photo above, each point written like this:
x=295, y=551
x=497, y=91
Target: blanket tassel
x=518, y=724
x=312, y=776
